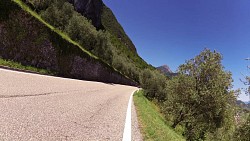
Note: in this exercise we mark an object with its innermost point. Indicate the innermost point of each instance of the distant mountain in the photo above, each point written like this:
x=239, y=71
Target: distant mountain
x=244, y=105
x=166, y=70
x=247, y=102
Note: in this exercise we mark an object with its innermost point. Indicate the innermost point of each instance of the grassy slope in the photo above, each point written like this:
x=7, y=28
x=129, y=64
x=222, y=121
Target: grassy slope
x=64, y=36
x=19, y=66
x=154, y=127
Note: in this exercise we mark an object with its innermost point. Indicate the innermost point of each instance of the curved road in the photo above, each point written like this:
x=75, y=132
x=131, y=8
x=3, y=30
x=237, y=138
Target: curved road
x=37, y=107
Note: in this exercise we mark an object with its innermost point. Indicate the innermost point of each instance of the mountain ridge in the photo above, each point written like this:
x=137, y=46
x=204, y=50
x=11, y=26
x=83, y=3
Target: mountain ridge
x=164, y=69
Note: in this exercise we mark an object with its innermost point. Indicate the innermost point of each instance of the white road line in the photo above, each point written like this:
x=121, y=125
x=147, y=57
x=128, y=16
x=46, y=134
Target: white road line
x=127, y=128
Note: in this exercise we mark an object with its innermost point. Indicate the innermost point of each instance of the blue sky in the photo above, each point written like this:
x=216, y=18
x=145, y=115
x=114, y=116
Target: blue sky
x=173, y=31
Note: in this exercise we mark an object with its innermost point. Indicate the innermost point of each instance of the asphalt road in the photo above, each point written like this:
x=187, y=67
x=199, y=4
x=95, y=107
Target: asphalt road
x=36, y=107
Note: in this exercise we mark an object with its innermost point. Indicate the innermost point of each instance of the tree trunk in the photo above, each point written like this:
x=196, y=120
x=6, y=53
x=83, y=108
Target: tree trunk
x=178, y=120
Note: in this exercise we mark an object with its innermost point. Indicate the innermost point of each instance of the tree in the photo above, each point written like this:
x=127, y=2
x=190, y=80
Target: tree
x=39, y=4
x=154, y=84
x=247, y=81
x=58, y=13
x=200, y=97
x=243, y=132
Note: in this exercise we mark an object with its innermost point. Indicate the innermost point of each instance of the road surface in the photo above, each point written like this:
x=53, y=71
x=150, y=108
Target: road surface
x=37, y=107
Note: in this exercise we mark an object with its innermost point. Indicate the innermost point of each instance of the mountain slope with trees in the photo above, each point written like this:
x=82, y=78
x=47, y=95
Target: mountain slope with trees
x=42, y=45
x=50, y=34
x=61, y=16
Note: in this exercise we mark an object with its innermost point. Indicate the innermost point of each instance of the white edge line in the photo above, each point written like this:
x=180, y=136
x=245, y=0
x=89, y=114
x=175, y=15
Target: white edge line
x=127, y=129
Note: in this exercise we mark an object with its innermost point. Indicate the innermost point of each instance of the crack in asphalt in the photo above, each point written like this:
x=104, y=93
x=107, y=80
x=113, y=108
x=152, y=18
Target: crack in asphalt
x=34, y=95
x=102, y=106
x=49, y=108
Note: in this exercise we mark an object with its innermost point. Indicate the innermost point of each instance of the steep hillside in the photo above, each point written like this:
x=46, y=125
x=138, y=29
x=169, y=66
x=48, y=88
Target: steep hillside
x=111, y=24
x=103, y=18
x=45, y=34
x=26, y=38
x=91, y=9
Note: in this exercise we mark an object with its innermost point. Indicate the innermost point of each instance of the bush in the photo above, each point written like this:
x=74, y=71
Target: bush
x=58, y=14
x=154, y=84
x=39, y=4
x=242, y=133
x=200, y=98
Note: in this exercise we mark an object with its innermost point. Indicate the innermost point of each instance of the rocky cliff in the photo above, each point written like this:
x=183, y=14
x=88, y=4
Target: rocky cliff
x=167, y=71
x=91, y=9
x=164, y=69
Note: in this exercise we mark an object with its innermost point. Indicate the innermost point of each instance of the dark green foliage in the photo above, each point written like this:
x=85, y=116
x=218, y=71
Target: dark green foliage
x=122, y=49
x=200, y=98
x=243, y=132
x=111, y=25
x=57, y=52
x=61, y=15
x=154, y=126
x=180, y=99
x=6, y=6
x=107, y=46
x=80, y=30
x=247, y=82
x=38, y=4
x=58, y=14
x=154, y=84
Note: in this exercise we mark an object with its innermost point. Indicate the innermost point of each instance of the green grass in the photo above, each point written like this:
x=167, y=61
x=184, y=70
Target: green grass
x=63, y=35
x=153, y=125
x=15, y=65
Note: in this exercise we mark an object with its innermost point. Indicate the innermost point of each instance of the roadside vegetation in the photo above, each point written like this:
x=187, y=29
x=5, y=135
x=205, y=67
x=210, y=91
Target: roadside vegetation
x=242, y=132
x=198, y=103
x=18, y=66
x=199, y=100
x=154, y=127
x=76, y=30
x=103, y=44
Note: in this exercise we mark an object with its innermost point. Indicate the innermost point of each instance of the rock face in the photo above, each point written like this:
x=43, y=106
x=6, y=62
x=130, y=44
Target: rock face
x=91, y=9
x=165, y=69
